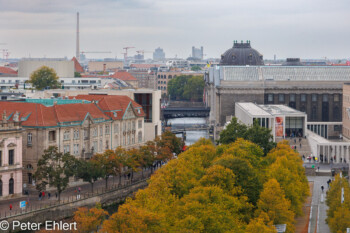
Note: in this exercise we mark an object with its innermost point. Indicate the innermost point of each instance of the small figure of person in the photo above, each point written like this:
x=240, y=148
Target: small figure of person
x=49, y=195
x=40, y=195
x=300, y=145
x=318, y=168
x=56, y=194
x=79, y=189
x=322, y=188
x=10, y=207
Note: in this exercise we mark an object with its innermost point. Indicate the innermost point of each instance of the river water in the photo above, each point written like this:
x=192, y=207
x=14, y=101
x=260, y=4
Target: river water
x=190, y=122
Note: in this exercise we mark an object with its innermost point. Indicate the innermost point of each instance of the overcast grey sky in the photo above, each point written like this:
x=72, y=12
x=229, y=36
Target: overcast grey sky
x=287, y=28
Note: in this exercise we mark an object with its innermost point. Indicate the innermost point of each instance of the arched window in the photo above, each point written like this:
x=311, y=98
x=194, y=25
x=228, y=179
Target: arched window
x=170, y=76
x=0, y=188
x=11, y=186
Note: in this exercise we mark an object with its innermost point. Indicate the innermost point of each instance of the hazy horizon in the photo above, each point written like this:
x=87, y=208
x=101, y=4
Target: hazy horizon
x=306, y=29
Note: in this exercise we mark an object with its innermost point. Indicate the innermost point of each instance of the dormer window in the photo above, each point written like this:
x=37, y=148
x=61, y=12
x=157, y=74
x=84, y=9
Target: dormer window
x=115, y=114
x=139, y=111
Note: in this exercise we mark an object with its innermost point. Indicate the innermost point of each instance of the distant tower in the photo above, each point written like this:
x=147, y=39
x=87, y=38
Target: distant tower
x=77, y=52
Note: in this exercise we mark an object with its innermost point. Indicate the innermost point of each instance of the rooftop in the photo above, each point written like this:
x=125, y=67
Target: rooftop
x=269, y=110
x=51, y=102
x=282, y=73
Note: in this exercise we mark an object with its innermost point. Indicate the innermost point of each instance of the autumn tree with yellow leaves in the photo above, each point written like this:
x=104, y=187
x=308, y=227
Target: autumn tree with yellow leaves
x=230, y=188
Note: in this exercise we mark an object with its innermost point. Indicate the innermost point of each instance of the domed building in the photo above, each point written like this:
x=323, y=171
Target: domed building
x=241, y=54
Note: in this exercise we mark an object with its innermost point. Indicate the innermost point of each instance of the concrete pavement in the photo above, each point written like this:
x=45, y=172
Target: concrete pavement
x=319, y=207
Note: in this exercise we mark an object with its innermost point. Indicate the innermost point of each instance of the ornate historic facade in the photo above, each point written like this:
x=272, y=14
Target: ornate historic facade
x=316, y=90
x=10, y=156
x=82, y=129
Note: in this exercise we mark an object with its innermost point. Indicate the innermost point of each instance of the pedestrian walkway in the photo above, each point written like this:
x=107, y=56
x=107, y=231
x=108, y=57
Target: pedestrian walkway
x=71, y=192
x=319, y=208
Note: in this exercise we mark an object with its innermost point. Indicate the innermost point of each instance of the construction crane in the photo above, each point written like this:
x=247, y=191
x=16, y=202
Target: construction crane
x=126, y=53
x=143, y=52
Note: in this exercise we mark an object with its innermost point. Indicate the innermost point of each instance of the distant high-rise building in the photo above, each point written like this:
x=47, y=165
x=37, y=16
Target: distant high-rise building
x=197, y=53
x=158, y=54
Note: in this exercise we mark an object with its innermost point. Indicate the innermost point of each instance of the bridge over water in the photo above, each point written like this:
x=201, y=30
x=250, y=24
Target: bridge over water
x=178, y=112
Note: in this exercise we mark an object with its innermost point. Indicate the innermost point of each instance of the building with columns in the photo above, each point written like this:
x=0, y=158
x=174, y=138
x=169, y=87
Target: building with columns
x=10, y=155
x=242, y=76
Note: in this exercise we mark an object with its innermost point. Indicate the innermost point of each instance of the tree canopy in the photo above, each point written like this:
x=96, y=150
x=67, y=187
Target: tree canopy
x=186, y=87
x=54, y=169
x=44, y=77
x=259, y=135
x=338, y=213
x=208, y=189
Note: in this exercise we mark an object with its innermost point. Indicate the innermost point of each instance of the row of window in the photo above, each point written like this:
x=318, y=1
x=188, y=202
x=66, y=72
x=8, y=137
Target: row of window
x=161, y=82
x=161, y=88
x=76, y=132
x=98, y=147
x=11, y=157
x=161, y=76
x=281, y=97
x=11, y=187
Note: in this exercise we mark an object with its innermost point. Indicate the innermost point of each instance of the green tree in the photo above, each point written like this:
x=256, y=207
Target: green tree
x=255, y=133
x=105, y=162
x=176, y=87
x=44, y=77
x=54, y=169
x=194, y=89
x=261, y=136
x=89, y=171
x=77, y=74
x=196, y=68
x=186, y=87
x=232, y=132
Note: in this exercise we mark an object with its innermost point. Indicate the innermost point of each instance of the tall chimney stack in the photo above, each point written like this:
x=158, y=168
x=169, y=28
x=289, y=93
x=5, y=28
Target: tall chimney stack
x=77, y=53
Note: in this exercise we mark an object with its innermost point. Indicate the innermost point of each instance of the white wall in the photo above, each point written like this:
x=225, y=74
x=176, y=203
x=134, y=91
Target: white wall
x=63, y=68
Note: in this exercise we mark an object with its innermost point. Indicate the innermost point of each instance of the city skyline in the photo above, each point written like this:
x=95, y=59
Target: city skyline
x=312, y=29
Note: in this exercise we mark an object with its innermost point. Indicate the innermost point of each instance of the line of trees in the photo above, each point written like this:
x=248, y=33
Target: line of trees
x=233, y=187
x=186, y=87
x=338, y=214
x=56, y=168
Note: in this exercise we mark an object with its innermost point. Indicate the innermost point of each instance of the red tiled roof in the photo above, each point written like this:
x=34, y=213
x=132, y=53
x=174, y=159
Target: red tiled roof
x=77, y=112
x=42, y=116
x=124, y=76
x=109, y=103
x=77, y=66
x=7, y=70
